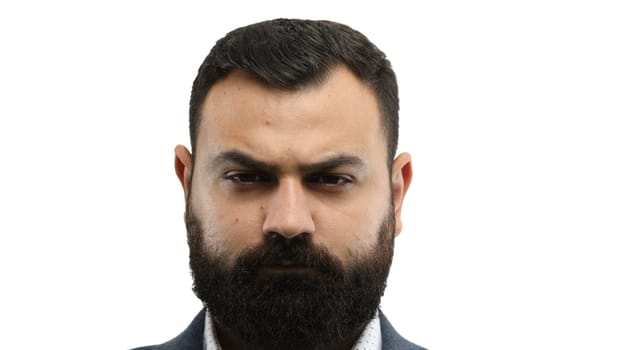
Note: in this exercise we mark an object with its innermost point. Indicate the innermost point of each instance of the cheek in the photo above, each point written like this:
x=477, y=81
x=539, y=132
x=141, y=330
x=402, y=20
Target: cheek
x=350, y=228
x=228, y=226
x=350, y=233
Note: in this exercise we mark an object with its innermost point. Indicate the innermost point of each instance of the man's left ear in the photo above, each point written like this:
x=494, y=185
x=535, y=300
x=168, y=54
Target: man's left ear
x=400, y=181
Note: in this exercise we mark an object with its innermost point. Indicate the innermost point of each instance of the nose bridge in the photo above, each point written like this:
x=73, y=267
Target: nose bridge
x=288, y=212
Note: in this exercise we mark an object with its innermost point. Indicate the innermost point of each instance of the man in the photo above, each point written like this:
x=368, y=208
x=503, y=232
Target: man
x=293, y=194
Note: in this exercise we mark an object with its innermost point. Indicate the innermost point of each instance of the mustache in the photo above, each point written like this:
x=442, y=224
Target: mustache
x=296, y=251
x=275, y=249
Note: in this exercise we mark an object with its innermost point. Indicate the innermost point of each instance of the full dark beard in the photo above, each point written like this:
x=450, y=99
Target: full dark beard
x=290, y=310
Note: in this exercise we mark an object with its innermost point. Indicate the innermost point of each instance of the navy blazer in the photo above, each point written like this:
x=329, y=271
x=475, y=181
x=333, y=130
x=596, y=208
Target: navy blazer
x=192, y=337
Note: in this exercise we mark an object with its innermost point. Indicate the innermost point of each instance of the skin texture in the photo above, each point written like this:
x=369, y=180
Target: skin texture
x=307, y=162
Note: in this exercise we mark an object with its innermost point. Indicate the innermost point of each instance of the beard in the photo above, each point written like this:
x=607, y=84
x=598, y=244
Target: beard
x=317, y=310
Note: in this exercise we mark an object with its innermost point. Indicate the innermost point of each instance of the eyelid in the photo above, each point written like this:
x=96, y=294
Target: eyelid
x=342, y=179
x=324, y=179
x=234, y=175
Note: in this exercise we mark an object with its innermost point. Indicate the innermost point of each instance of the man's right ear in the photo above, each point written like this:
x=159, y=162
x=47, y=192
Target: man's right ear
x=183, y=168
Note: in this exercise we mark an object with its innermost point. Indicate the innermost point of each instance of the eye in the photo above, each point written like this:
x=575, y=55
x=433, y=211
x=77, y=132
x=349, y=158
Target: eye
x=246, y=178
x=330, y=180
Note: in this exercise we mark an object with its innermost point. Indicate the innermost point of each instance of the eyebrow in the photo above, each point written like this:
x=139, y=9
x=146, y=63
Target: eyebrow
x=247, y=161
x=243, y=160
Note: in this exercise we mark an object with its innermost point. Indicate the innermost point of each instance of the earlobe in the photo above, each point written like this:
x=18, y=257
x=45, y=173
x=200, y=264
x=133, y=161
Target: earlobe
x=400, y=181
x=183, y=168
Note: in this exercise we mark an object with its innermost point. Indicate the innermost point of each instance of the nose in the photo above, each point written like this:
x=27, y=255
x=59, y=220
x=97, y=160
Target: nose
x=287, y=212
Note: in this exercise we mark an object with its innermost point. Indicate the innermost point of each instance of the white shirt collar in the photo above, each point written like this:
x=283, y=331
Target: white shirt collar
x=370, y=339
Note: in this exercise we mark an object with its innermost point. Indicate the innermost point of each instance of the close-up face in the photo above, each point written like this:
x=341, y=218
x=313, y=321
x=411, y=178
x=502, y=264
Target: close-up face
x=310, y=162
x=291, y=210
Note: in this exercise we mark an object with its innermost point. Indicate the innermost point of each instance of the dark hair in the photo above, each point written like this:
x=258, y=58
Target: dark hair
x=292, y=54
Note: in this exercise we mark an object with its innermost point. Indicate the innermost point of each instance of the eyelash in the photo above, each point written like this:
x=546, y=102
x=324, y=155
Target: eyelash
x=237, y=177
x=341, y=180
x=327, y=180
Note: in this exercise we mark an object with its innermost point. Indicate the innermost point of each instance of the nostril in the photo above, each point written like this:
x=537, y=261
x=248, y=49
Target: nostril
x=289, y=240
x=273, y=236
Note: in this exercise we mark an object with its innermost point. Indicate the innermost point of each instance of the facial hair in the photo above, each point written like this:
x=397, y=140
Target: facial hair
x=290, y=310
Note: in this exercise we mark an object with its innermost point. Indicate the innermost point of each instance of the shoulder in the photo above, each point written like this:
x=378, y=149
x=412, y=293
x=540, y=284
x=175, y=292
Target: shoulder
x=391, y=340
x=190, y=339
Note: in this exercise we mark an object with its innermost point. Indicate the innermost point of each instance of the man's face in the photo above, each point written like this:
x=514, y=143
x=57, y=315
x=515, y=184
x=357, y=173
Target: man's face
x=291, y=188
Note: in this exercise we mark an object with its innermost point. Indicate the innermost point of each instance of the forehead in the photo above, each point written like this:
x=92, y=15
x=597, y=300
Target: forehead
x=340, y=115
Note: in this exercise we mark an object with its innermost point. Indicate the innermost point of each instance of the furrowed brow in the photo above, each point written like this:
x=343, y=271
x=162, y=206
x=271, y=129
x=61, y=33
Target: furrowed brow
x=333, y=163
x=243, y=160
x=247, y=161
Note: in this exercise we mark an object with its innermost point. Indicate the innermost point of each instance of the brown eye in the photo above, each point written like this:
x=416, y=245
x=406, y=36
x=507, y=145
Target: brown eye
x=330, y=180
x=247, y=178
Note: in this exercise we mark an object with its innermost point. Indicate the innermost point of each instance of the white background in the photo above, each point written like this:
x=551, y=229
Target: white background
x=511, y=109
